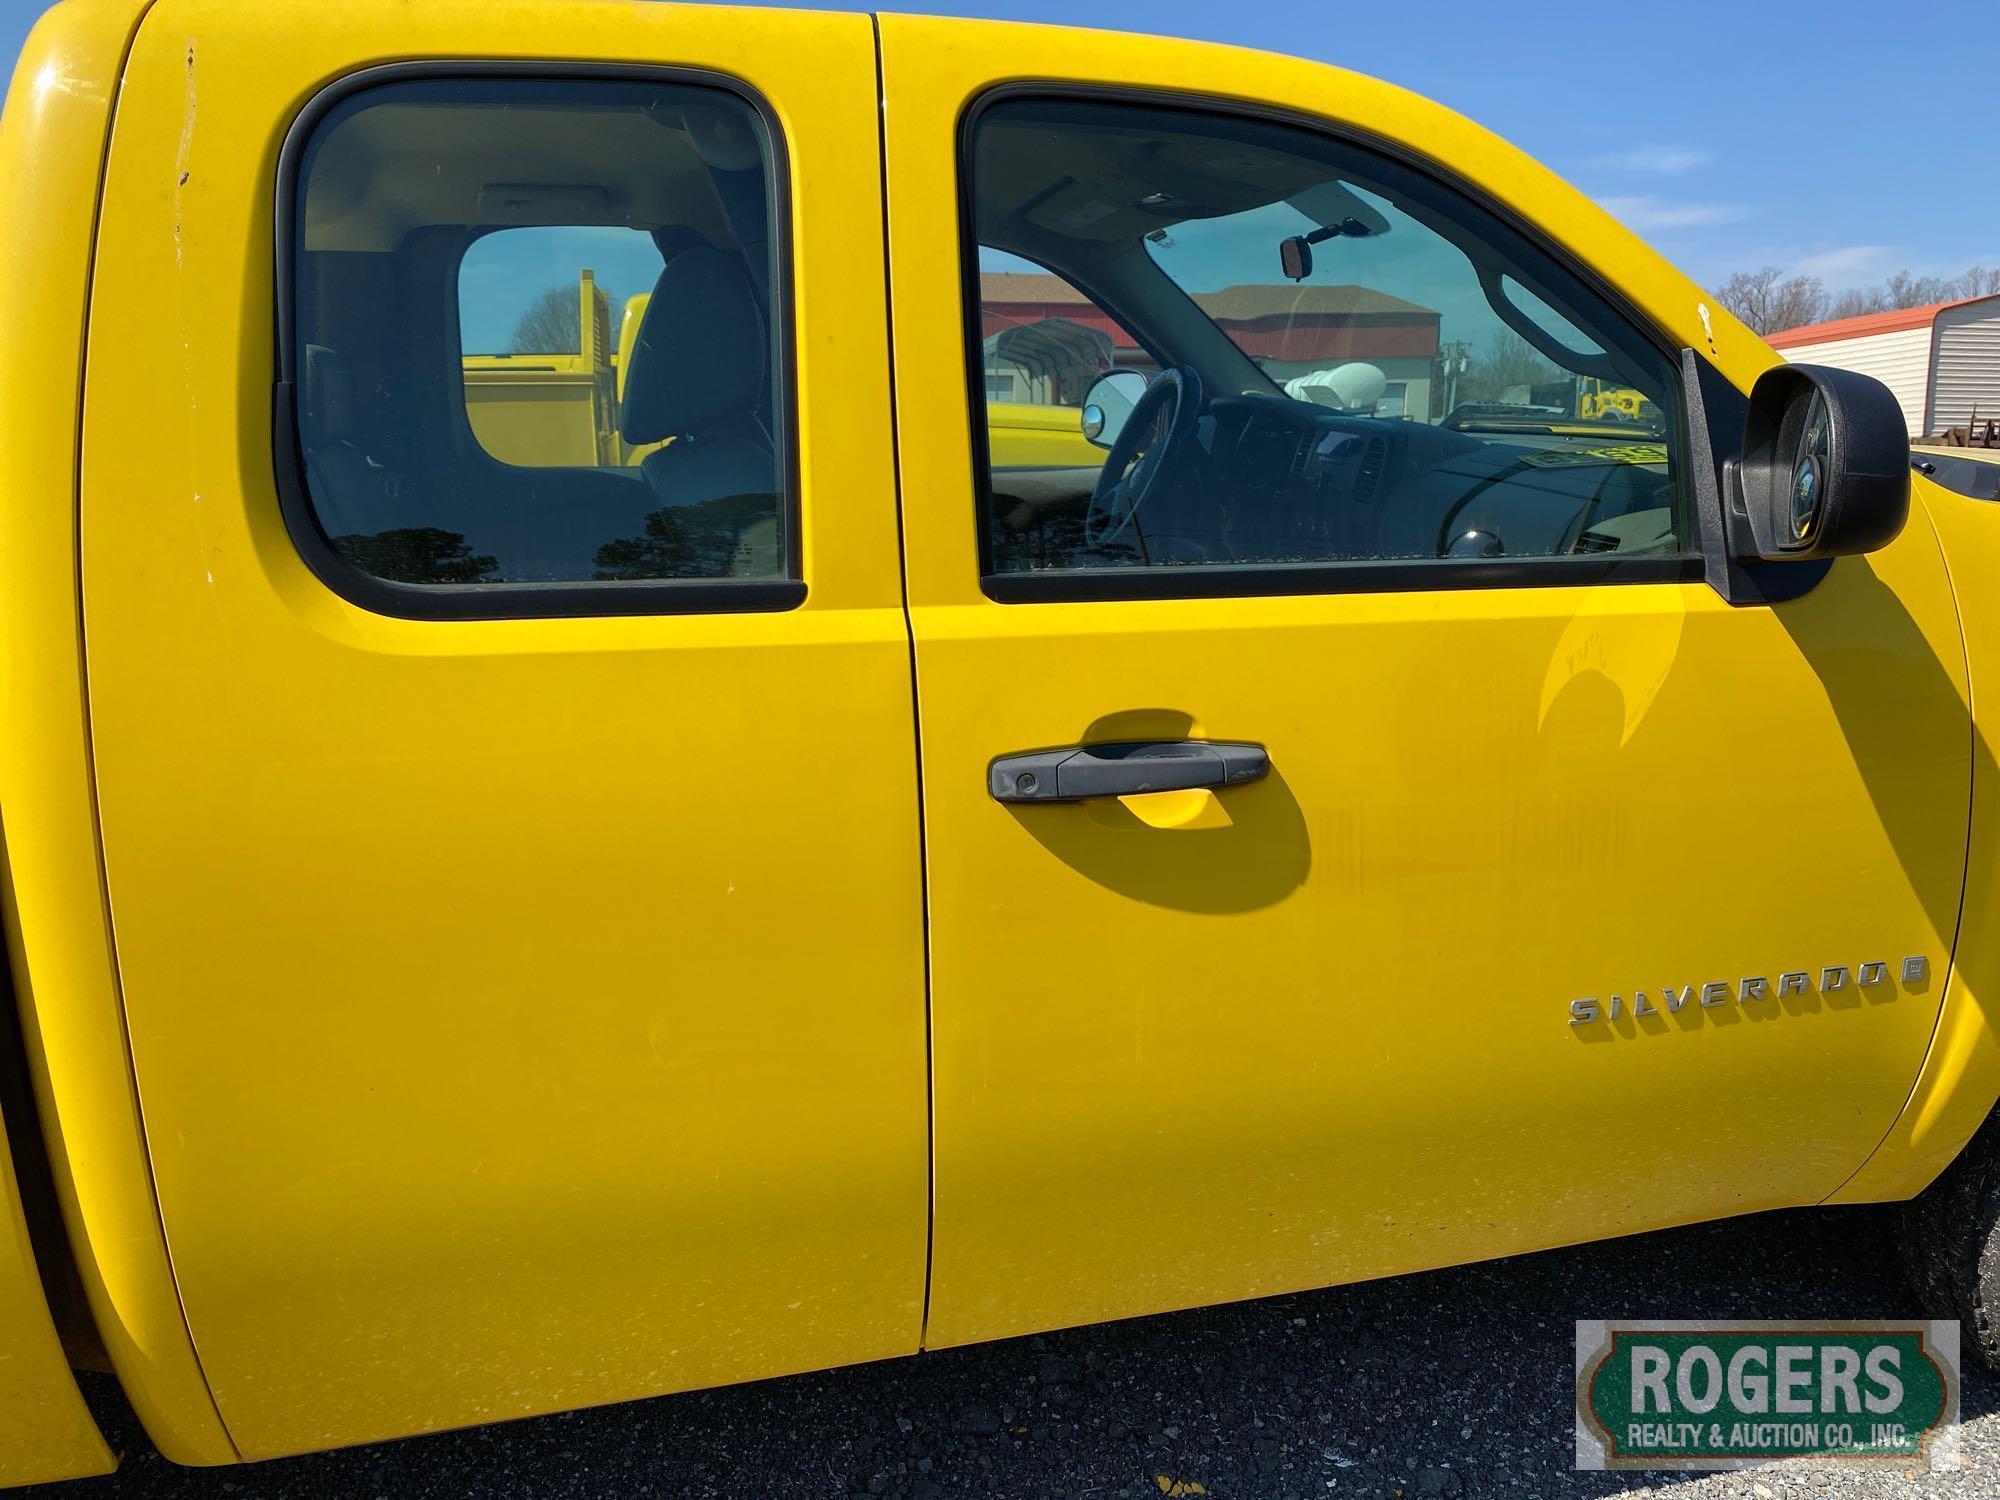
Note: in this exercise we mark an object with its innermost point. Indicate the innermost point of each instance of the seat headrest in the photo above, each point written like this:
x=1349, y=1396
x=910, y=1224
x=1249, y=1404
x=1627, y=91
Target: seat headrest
x=329, y=395
x=699, y=360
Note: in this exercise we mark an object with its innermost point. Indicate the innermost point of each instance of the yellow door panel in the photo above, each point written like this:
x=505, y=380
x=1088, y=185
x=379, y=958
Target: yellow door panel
x=45, y=1430
x=527, y=1012
x=1316, y=1028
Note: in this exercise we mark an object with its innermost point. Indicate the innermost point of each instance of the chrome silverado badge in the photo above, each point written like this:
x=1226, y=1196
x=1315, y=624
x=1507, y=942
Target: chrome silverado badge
x=1831, y=979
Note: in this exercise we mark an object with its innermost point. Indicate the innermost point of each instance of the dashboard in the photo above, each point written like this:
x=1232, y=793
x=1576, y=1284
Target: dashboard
x=1288, y=481
x=1270, y=479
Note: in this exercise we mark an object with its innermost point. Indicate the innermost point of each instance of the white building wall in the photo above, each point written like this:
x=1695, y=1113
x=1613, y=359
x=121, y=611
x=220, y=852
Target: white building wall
x=1966, y=368
x=1900, y=360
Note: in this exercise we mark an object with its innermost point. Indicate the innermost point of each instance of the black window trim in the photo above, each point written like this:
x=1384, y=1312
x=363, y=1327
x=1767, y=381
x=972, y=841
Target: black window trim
x=520, y=601
x=1270, y=580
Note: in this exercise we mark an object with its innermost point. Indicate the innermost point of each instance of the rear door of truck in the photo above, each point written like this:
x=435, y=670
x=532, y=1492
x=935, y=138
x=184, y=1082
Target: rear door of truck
x=514, y=866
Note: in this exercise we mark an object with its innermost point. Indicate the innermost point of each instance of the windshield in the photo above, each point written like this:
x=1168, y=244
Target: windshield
x=1384, y=314
x=1974, y=474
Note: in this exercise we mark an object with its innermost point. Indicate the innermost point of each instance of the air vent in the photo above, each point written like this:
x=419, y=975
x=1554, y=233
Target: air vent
x=1368, y=478
x=1596, y=541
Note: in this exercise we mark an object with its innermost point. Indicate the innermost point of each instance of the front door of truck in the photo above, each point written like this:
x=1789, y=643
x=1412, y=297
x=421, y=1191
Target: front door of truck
x=1411, y=508
x=507, y=774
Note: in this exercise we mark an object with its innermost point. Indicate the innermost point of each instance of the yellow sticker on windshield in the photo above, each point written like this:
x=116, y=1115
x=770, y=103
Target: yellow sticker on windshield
x=1575, y=458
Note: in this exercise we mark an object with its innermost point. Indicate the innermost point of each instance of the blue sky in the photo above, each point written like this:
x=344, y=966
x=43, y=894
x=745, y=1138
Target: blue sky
x=1840, y=138
x=502, y=272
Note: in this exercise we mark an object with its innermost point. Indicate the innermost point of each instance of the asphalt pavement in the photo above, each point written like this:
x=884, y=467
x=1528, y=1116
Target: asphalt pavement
x=1452, y=1384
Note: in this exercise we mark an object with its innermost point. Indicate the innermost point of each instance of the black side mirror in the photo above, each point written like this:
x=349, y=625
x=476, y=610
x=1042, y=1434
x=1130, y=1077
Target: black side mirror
x=1825, y=470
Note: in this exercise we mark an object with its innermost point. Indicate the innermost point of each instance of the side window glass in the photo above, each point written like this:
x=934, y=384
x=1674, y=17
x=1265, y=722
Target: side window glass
x=1349, y=363
x=1044, y=346
x=546, y=319
x=535, y=336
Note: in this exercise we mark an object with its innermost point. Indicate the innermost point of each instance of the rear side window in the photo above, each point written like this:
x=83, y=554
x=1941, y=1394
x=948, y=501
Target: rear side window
x=540, y=318
x=537, y=348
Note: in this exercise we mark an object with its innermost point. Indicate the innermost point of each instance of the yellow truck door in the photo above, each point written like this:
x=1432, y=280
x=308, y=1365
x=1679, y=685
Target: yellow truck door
x=1520, y=754
x=514, y=869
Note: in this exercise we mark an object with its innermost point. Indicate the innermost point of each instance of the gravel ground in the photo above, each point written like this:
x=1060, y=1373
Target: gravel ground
x=1456, y=1383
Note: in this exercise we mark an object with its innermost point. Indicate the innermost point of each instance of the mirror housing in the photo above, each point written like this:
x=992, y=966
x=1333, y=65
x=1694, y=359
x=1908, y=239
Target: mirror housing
x=1825, y=470
x=1295, y=257
x=1107, y=404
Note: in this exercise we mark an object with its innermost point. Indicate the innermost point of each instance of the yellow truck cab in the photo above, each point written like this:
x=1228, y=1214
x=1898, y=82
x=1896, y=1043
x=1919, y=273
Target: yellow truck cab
x=1066, y=675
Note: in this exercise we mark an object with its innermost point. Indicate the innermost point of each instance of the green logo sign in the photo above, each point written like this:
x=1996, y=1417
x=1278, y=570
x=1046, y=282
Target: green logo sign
x=1670, y=1395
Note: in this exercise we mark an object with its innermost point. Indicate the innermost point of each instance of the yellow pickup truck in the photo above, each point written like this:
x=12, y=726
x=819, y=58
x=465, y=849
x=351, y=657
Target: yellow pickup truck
x=820, y=860
x=555, y=407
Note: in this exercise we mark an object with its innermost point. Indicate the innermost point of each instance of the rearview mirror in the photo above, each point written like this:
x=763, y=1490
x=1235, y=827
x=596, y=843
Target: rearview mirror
x=1295, y=257
x=1107, y=404
x=1825, y=470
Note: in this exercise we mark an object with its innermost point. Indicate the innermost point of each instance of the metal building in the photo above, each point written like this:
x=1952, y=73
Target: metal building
x=1942, y=361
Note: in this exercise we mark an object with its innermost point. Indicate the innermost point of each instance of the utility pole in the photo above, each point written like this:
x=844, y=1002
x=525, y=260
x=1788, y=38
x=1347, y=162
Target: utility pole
x=1453, y=357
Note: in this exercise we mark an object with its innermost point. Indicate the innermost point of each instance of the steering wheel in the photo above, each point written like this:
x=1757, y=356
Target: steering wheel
x=1155, y=438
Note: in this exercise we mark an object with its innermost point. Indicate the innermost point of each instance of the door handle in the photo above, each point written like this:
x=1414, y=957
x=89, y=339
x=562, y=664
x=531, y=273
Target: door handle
x=1122, y=770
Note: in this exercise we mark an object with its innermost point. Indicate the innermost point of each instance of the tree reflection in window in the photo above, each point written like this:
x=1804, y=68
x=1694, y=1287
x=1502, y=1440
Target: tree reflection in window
x=417, y=554
x=734, y=536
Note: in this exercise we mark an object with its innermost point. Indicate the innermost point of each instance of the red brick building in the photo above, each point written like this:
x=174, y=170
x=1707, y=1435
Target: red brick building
x=1289, y=330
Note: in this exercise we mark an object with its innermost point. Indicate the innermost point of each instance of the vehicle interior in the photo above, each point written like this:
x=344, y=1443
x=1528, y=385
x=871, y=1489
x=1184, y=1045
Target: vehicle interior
x=398, y=182
x=1226, y=462
x=1235, y=457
